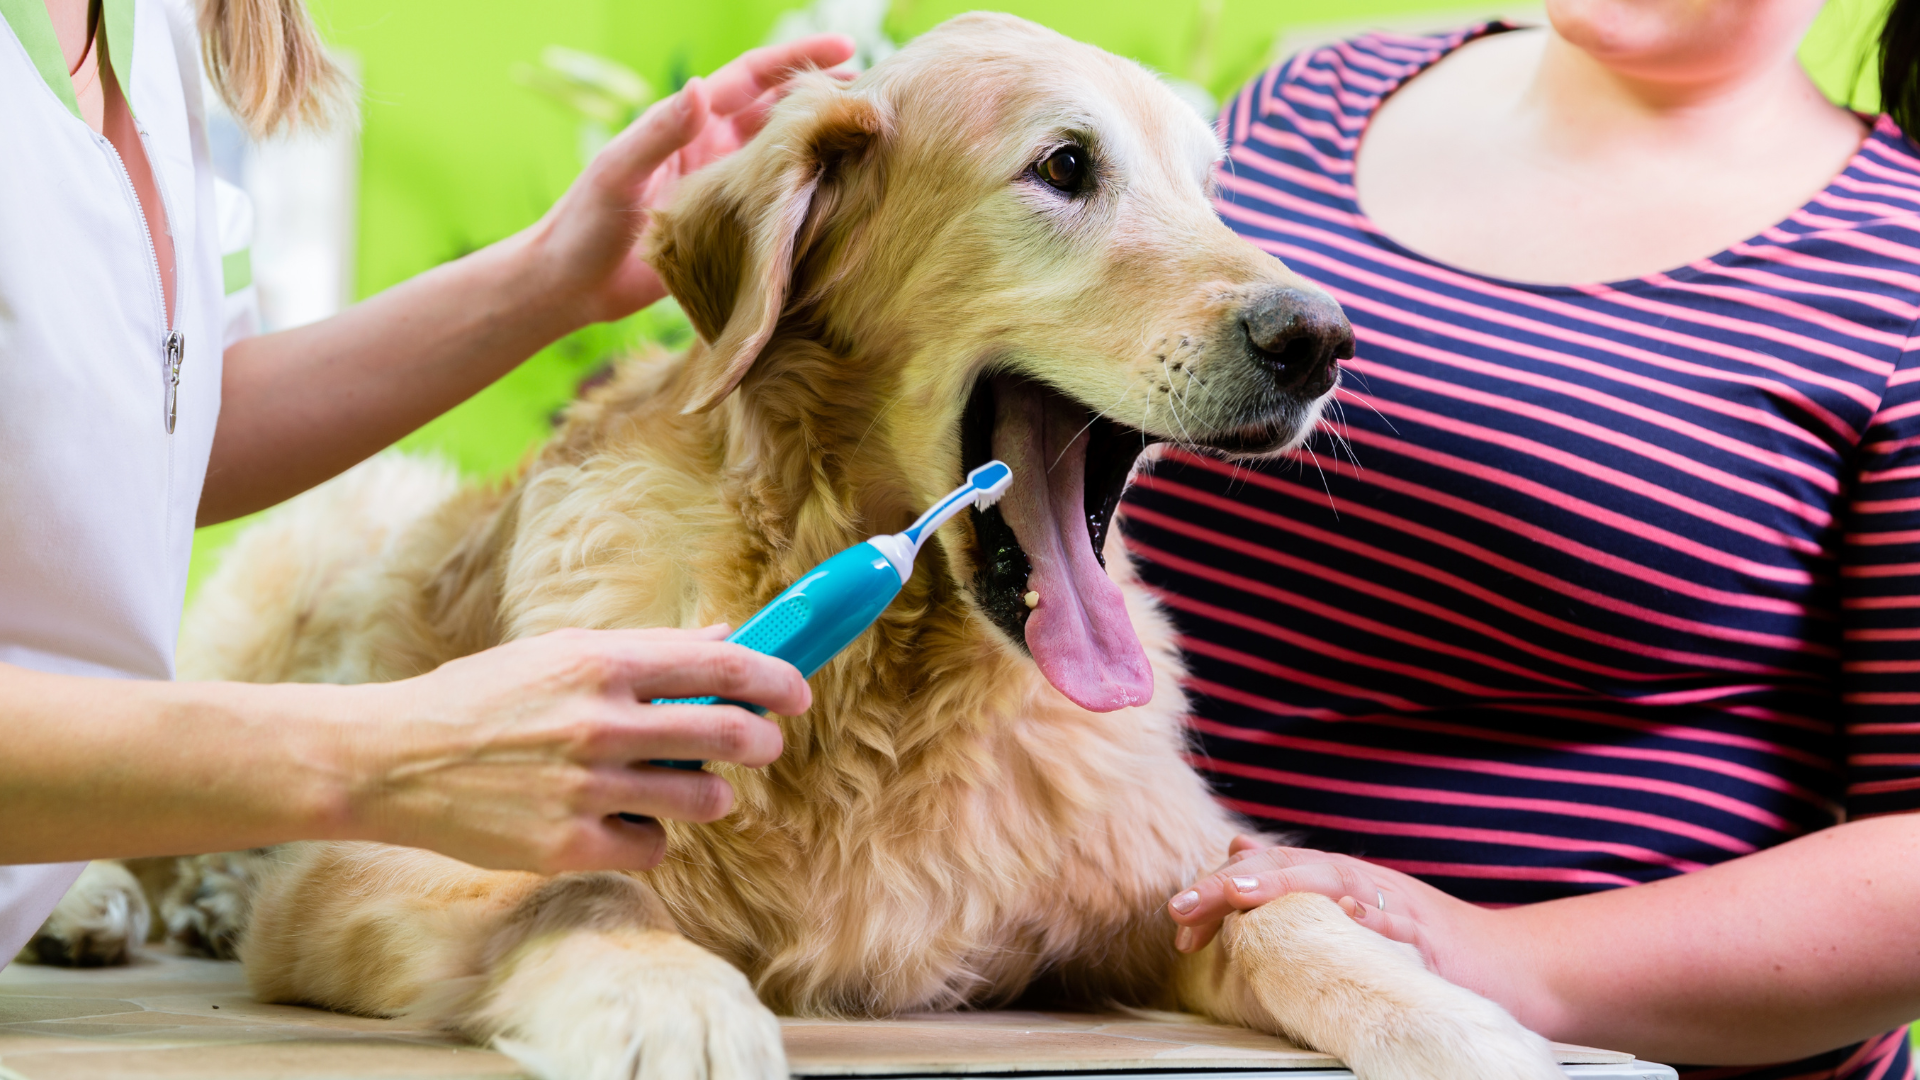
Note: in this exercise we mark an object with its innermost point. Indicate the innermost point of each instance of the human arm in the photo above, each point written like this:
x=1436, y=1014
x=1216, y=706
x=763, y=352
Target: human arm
x=513, y=758
x=1773, y=956
x=303, y=405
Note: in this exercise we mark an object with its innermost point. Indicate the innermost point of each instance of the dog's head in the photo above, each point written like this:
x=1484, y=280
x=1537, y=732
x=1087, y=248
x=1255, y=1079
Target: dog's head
x=1005, y=241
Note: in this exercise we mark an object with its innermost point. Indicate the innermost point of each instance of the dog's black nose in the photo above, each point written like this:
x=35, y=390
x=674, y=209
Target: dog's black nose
x=1300, y=336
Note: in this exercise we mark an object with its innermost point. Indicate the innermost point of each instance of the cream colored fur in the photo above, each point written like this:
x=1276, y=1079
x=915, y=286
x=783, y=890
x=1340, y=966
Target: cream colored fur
x=944, y=829
x=96, y=924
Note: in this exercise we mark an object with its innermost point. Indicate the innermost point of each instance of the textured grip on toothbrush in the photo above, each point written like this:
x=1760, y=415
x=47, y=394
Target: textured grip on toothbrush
x=813, y=619
x=765, y=633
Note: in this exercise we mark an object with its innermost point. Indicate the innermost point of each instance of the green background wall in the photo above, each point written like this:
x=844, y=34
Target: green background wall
x=456, y=154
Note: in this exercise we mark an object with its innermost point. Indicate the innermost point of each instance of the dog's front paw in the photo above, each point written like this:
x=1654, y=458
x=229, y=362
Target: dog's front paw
x=1451, y=1034
x=97, y=923
x=1300, y=967
x=629, y=1005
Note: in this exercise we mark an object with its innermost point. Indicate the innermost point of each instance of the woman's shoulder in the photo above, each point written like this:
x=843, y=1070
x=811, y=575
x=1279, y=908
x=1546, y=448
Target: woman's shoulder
x=1887, y=163
x=1865, y=221
x=1329, y=90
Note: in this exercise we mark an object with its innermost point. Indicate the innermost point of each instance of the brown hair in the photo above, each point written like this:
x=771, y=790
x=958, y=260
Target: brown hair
x=267, y=61
x=1900, y=65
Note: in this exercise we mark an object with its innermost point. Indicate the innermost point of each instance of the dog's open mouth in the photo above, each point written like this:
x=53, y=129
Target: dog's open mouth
x=1046, y=536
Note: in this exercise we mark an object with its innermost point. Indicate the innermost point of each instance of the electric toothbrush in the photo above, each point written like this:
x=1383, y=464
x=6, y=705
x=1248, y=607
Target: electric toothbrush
x=835, y=602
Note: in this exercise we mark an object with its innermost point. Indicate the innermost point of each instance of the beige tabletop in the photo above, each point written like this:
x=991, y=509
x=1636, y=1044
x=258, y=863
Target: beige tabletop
x=168, y=1016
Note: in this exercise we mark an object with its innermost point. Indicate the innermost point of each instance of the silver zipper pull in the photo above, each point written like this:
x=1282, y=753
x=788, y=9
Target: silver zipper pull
x=176, y=347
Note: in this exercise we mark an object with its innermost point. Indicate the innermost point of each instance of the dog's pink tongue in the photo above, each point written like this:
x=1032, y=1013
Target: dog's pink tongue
x=1080, y=634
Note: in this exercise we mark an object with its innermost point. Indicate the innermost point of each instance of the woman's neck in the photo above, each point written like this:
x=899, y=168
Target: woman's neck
x=1524, y=156
x=74, y=28
x=1576, y=94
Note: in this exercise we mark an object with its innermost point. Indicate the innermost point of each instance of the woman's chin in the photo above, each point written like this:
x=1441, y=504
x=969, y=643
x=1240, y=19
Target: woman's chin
x=1681, y=41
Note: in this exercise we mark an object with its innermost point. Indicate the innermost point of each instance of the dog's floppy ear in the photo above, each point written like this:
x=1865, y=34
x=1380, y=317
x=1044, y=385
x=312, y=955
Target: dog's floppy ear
x=727, y=245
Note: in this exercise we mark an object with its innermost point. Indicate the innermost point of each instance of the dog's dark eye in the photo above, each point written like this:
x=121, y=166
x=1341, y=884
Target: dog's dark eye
x=1065, y=169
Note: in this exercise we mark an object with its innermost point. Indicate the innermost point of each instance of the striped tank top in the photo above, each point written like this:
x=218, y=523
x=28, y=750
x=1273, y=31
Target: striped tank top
x=1579, y=587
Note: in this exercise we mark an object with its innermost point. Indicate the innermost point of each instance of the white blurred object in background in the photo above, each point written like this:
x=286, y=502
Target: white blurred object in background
x=304, y=189
x=862, y=20
x=235, y=213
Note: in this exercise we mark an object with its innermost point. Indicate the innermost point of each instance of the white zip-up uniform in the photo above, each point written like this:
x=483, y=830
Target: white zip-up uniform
x=97, y=499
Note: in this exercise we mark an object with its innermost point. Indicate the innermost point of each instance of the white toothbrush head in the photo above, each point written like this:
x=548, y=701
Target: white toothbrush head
x=983, y=488
x=989, y=482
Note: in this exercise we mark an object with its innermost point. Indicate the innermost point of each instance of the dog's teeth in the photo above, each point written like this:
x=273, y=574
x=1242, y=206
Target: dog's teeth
x=1032, y=599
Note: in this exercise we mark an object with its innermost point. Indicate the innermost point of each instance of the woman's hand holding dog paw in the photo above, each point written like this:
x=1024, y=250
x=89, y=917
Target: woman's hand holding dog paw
x=518, y=757
x=1482, y=951
x=586, y=243
x=1393, y=904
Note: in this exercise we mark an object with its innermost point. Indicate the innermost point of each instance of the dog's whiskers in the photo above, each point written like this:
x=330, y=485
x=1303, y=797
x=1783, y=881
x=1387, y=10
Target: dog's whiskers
x=1098, y=414
x=1333, y=428
x=1324, y=486
x=1186, y=384
x=1173, y=405
x=1366, y=399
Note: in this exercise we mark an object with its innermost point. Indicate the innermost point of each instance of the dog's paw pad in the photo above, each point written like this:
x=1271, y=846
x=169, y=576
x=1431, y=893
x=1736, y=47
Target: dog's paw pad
x=97, y=923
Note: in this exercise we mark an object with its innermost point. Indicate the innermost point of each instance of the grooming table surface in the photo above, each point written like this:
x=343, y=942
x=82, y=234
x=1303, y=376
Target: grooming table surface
x=168, y=1016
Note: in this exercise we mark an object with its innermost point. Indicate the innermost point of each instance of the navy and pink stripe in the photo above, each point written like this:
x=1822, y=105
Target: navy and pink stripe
x=1598, y=584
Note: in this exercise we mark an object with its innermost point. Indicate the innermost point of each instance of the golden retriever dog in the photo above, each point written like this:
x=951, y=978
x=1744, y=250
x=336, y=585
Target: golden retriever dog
x=997, y=243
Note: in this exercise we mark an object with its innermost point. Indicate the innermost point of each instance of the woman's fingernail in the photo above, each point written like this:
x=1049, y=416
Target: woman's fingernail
x=1183, y=940
x=1185, y=902
x=1355, y=910
x=1246, y=884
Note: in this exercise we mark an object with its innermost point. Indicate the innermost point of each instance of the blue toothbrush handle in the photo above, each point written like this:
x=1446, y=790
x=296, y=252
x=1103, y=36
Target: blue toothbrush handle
x=809, y=623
